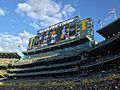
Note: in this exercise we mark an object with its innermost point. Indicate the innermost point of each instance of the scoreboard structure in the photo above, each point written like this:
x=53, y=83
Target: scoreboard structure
x=62, y=31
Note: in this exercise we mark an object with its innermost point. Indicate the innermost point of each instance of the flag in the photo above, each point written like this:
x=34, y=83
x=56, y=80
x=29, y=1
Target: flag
x=99, y=21
x=19, y=46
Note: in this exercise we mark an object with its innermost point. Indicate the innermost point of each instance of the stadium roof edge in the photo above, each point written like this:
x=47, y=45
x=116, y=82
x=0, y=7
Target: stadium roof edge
x=10, y=53
x=110, y=29
x=99, y=47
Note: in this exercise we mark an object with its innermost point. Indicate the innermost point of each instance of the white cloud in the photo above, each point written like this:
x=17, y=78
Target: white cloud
x=1, y=50
x=68, y=9
x=34, y=25
x=47, y=12
x=2, y=12
x=24, y=7
x=12, y=43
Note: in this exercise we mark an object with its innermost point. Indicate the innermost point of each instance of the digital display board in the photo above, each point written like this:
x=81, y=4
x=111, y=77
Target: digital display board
x=65, y=30
x=85, y=27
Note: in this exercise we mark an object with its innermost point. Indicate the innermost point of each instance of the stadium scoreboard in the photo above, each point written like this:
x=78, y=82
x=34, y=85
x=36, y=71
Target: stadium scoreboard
x=62, y=31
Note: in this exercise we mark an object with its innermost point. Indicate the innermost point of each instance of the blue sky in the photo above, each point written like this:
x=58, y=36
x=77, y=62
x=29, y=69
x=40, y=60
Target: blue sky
x=20, y=19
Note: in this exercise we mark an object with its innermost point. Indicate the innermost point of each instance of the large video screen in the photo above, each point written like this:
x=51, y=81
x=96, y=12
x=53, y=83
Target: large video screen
x=85, y=27
x=57, y=33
